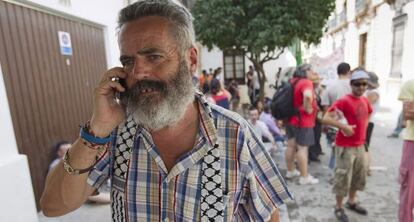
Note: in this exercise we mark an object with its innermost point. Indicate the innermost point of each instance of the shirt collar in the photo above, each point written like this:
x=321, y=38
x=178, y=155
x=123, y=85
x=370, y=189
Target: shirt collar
x=207, y=125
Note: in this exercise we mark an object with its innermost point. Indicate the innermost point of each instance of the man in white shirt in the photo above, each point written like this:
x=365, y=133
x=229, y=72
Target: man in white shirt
x=333, y=92
x=260, y=128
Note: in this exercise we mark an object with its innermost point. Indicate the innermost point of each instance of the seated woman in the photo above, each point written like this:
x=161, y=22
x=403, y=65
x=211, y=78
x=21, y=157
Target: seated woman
x=270, y=122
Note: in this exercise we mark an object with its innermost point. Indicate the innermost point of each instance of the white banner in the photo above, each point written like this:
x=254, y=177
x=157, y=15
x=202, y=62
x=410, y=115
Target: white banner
x=326, y=66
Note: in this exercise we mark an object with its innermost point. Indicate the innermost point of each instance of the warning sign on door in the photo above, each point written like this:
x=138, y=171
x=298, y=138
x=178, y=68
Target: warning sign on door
x=65, y=43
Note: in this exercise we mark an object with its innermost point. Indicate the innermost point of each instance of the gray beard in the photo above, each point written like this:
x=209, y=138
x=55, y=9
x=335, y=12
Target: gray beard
x=167, y=106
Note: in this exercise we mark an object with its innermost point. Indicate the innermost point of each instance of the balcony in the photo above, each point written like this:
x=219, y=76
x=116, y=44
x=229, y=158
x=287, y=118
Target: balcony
x=342, y=17
x=360, y=6
x=337, y=21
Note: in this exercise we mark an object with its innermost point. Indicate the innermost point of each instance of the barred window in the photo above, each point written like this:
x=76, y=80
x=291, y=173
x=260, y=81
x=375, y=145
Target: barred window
x=397, y=45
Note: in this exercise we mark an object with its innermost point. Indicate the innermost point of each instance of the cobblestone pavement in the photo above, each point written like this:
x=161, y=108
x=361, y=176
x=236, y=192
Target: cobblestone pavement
x=316, y=202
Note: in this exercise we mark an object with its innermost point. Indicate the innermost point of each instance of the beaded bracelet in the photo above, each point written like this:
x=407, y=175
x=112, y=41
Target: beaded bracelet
x=72, y=171
x=94, y=146
x=88, y=135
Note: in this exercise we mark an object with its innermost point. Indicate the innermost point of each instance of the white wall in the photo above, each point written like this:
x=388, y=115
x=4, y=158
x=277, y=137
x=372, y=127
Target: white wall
x=17, y=199
x=408, y=53
x=379, y=26
x=97, y=11
x=210, y=59
x=380, y=52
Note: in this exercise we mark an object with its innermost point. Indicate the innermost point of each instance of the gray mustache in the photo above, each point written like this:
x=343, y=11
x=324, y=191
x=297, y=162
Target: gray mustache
x=147, y=84
x=134, y=92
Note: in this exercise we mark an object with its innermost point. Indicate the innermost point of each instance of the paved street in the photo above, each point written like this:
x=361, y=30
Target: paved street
x=316, y=203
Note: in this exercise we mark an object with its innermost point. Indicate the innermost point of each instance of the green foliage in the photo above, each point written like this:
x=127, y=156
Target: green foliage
x=259, y=26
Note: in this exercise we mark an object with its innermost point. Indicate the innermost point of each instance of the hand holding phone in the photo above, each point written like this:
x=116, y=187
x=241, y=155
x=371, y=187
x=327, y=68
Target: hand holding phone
x=118, y=94
x=106, y=114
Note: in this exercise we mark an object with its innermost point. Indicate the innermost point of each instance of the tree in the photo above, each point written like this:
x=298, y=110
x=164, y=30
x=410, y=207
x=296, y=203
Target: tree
x=261, y=29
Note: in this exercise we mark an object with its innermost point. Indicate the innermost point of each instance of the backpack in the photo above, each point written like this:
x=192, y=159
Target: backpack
x=282, y=102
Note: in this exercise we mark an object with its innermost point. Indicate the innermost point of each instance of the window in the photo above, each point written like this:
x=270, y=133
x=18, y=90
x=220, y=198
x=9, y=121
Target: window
x=234, y=66
x=397, y=46
x=362, y=49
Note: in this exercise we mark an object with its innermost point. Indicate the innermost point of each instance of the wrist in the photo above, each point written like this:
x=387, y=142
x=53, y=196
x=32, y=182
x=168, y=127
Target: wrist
x=88, y=135
x=73, y=170
x=342, y=126
x=98, y=130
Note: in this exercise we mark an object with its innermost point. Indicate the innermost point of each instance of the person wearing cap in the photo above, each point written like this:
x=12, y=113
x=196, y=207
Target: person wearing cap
x=373, y=97
x=350, y=115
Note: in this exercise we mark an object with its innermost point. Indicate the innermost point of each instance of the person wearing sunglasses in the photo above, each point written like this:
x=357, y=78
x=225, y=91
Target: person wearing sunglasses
x=350, y=168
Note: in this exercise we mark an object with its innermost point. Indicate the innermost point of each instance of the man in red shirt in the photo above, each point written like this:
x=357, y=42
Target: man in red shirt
x=350, y=114
x=299, y=129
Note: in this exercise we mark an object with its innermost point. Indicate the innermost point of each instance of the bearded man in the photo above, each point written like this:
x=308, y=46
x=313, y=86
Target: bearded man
x=170, y=154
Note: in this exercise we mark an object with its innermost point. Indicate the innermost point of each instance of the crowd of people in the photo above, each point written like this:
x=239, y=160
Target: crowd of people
x=342, y=111
x=209, y=83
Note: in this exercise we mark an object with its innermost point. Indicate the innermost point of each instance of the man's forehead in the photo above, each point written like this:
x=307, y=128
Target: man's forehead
x=149, y=31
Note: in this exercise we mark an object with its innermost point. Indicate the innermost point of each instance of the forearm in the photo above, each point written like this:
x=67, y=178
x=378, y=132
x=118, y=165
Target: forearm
x=307, y=101
x=307, y=106
x=64, y=192
x=274, y=129
x=270, y=137
x=329, y=120
x=408, y=116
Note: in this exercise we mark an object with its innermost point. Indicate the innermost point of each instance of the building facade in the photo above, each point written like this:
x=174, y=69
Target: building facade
x=374, y=34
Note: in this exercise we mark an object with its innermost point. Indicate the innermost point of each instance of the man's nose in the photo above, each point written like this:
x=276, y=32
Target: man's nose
x=141, y=69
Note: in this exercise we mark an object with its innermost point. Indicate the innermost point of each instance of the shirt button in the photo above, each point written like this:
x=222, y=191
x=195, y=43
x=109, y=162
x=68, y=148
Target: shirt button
x=166, y=220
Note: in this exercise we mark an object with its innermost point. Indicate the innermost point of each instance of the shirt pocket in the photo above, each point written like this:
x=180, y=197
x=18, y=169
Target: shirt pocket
x=403, y=177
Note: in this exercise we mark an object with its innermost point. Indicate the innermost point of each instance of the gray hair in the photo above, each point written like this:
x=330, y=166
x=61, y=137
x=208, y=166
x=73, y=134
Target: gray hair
x=177, y=14
x=301, y=70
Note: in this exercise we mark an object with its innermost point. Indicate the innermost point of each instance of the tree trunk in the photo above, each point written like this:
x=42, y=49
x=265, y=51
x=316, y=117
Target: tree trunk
x=258, y=66
x=262, y=80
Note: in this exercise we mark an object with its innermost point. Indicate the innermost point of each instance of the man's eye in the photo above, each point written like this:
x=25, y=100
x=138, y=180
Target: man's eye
x=154, y=57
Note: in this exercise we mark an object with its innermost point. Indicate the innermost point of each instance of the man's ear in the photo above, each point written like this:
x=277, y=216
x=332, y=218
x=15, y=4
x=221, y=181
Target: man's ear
x=193, y=59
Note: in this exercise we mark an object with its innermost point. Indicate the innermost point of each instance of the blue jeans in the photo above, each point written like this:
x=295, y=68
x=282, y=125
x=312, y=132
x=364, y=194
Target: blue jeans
x=399, y=127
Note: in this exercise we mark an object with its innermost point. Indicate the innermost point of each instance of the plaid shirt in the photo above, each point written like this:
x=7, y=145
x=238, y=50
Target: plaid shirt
x=252, y=185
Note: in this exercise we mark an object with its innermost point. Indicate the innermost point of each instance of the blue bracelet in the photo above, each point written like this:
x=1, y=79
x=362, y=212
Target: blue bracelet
x=93, y=139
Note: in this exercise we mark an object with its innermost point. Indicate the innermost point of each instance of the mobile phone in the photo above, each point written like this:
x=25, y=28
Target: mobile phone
x=118, y=94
